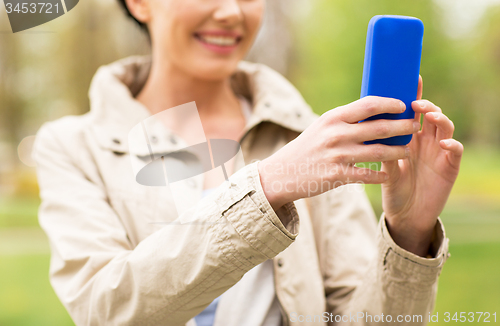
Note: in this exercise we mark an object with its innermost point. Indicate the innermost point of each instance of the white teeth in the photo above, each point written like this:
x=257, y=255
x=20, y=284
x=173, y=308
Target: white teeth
x=219, y=40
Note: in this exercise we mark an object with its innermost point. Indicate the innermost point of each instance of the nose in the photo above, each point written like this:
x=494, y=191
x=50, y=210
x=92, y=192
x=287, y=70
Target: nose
x=228, y=12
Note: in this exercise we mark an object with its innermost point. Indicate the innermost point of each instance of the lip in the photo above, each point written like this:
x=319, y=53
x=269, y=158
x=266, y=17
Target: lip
x=220, y=49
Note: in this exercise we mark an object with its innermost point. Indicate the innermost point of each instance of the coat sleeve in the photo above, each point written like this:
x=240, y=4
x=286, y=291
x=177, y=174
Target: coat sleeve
x=171, y=275
x=367, y=274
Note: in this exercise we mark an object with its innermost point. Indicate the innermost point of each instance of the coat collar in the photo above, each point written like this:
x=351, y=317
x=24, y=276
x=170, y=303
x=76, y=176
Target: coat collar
x=114, y=110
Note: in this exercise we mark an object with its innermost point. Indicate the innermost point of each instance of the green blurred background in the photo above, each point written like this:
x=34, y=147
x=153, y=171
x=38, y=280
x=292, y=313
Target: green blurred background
x=319, y=45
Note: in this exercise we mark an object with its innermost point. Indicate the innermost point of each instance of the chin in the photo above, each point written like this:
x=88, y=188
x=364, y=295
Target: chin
x=214, y=70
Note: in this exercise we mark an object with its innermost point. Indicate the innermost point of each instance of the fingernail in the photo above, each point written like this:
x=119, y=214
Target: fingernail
x=421, y=104
x=403, y=106
x=386, y=177
x=435, y=115
x=446, y=142
x=416, y=126
x=407, y=151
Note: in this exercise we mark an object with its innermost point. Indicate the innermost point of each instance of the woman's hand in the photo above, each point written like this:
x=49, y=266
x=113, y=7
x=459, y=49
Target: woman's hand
x=419, y=186
x=323, y=156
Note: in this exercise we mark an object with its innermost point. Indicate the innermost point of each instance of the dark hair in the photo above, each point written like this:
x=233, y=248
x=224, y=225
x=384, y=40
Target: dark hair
x=125, y=8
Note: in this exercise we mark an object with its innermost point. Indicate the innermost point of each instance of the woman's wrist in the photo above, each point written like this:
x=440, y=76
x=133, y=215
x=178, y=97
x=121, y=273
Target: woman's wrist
x=271, y=185
x=409, y=238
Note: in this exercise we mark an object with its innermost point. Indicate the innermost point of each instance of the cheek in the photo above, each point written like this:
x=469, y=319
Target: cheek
x=175, y=23
x=253, y=12
x=182, y=28
x=187, y=19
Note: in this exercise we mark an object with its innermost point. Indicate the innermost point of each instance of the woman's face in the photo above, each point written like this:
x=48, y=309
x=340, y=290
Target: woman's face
x=204, y=38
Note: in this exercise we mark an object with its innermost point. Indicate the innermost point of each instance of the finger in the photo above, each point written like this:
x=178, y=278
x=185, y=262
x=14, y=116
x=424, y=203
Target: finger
x=418, y=116
x=420, y=87
x=380, y=129
x=372, y=153
x=445, y=127
x=362, y=175
x=455, y=150
x=370, y=106
x=424, y=106
x=392, y=169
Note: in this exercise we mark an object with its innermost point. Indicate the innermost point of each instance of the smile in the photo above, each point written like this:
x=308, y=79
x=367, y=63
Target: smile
x=218, y=40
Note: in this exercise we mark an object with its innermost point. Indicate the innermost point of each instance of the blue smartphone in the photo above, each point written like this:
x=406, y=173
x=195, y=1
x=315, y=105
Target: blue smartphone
x=392, y=65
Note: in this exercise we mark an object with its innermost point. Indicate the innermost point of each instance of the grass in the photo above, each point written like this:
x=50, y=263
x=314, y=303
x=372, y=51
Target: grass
x=26, y=297
x=470, y=279
x=19, y=211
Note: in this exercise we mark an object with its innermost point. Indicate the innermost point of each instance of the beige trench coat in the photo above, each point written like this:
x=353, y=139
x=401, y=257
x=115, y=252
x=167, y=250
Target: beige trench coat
x=112, y=264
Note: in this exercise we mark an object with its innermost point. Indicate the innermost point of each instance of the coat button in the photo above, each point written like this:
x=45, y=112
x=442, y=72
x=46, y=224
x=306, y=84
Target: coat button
x=280, y=262
x=154, y=139
x=173, y=140
x=267, y=104
x=116, y=141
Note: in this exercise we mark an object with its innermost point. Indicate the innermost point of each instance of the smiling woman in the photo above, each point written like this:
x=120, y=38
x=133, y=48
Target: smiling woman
x=202, y=38
x=121, y=252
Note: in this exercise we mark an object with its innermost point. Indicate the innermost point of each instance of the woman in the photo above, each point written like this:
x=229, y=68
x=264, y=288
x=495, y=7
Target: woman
x=113, y=263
